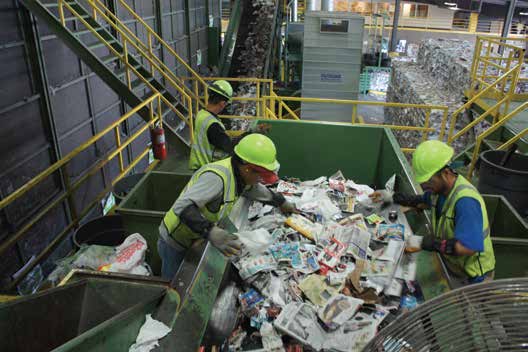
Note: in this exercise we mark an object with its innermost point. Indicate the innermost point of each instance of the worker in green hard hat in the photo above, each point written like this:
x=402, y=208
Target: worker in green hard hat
x=461, y=232
x=210, y=141
x=210, y=195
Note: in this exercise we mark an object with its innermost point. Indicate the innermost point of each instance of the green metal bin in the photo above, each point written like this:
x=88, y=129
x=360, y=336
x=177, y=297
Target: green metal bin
x=145, y=206
x=65, y=318
x=509, y=234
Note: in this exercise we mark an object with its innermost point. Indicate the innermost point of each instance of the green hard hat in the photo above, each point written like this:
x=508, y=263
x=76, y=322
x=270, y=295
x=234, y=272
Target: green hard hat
x=259, y=150
x=429, y=158
x=223, y=88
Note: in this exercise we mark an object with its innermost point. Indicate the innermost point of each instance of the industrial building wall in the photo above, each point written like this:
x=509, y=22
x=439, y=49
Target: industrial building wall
x=51, y=102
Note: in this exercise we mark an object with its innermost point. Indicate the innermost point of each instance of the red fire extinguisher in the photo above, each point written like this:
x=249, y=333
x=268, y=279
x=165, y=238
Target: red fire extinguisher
x=157, y=136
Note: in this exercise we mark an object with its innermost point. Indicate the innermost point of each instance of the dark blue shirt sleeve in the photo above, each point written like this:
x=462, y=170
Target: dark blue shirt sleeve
x=468, y=224
x=427, y=198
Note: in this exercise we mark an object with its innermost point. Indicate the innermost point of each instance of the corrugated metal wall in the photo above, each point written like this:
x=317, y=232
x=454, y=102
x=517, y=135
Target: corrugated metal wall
x=50, y=102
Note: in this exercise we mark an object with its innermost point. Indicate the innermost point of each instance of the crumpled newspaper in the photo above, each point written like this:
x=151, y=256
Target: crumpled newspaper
x=149, y=334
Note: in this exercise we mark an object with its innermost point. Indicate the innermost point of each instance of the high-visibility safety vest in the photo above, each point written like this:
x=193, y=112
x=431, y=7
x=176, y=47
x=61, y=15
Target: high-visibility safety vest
x=202, y=152
x=444, y=227
x=181, y=232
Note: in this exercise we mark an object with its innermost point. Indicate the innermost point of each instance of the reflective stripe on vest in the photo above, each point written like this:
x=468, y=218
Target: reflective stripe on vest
x=202, y=152
x=180, y=232
x=444, y=228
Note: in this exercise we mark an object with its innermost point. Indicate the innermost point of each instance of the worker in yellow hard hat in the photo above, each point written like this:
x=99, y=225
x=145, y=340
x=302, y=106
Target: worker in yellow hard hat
x=210, y=195
x=461, y=232
x=210, y=141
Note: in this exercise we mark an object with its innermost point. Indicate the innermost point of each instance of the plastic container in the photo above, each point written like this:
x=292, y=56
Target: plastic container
x=510, y=180
x=125, y=185
x=106, y=231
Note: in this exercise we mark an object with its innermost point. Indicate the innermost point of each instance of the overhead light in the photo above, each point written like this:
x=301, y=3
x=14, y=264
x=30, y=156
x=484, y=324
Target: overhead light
x=450, y=3
x=454, y=8
x=523, y=13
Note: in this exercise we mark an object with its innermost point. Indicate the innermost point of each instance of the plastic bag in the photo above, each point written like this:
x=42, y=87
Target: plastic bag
x=130, y=257
x=256, y=241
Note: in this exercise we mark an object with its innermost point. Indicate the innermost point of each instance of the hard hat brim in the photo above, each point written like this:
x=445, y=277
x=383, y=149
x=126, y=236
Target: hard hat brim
x=266, y=176
x=222, y=93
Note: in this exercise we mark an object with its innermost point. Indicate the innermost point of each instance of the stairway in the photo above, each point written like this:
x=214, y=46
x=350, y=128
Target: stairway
x=462, y=160
x=97, y=46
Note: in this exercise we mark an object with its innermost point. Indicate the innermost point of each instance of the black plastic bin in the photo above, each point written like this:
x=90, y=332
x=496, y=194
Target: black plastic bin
x=510, y=180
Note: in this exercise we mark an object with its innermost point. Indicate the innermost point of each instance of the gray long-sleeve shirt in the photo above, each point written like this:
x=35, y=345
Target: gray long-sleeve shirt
x=207, y=192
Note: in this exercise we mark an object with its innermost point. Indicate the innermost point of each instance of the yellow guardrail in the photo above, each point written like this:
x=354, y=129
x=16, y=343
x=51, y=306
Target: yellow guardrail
x=505, y=62
x=262, y=87
x=492, y=129
x=128, y=38
x=199, y=85
x=67, y=195
x=274, y=102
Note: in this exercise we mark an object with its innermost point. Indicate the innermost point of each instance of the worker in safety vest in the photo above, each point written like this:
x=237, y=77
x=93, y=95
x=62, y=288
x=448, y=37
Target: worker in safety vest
x=210, y=195
x=461, y=232
x=210, y=141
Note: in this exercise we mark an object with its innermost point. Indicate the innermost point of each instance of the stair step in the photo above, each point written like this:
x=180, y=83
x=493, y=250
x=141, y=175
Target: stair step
x=87, y=31
x=109, y=58
x=492, y=144
x=139, y=84
x=56, y=4
x=101, y=45
x=75, y=18
x=120, y=72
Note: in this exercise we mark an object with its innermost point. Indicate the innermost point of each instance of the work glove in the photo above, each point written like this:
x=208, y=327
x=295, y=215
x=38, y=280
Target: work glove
x=289, y=207
x=431, y=243
x=381, y=196
x=224, y=241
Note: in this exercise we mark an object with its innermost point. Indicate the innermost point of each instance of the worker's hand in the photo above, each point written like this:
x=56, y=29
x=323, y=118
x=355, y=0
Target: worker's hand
x=226, y=242
x=428, y=243
x=431, y=243
x=289, y=207
x=381, y=196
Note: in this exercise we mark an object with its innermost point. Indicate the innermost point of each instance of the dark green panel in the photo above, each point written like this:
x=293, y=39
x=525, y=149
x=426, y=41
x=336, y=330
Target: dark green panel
x=311, y=149
x=213, y=43
x=503, y=219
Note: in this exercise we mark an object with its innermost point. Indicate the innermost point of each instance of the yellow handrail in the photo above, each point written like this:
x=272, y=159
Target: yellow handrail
x=492, y=129
x=125, y=37
x=152, y=33
x=69, y=190
x=187, y=120
x=479, y=119
x=513, y=139
x=471, y=101
x=270, y=103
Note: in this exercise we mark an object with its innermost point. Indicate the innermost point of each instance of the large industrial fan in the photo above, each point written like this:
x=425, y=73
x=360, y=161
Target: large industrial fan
x=483, y=317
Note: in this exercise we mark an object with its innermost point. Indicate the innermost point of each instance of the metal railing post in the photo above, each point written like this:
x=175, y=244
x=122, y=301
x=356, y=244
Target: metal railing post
x=425, y=132
x=118, y=143
x=61, y=12
x=149, y=41
x=125, y=58
x=258, y=104
x=354, y=113
x=70, y=198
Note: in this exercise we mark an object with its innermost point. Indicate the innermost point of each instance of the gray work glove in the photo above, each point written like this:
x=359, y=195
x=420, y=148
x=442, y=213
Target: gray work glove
x=226, y=242
x=289, y=207
x=381, y=196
